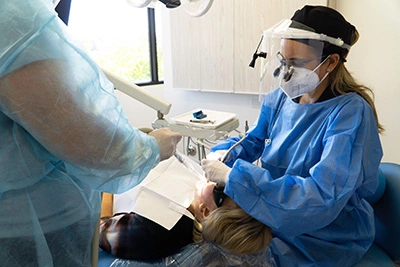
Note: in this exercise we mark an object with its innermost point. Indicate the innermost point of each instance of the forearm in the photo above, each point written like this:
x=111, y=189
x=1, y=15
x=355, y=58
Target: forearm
x=45, y=99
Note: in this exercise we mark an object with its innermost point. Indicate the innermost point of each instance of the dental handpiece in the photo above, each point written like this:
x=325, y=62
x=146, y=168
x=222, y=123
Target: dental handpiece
x=225, y=156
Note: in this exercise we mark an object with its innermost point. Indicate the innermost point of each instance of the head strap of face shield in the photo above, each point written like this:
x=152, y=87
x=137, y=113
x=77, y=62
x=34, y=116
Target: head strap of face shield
x=288, y=29
x=327, y=21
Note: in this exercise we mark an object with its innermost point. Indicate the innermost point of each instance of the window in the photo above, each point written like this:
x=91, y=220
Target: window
x=121, y=38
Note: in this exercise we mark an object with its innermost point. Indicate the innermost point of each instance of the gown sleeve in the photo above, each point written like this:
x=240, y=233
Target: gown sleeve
x=64, y=109
x=253, y=145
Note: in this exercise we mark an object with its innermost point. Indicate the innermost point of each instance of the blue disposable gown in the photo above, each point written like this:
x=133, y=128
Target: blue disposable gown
x=319, y=161
x=64, y=137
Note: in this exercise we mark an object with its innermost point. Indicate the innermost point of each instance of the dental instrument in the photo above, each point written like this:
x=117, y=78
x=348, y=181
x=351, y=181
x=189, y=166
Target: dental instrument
x=225, y=156
x=182, y=159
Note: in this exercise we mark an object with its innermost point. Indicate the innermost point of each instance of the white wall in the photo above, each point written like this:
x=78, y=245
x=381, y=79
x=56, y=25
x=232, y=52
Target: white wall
x=374, y=60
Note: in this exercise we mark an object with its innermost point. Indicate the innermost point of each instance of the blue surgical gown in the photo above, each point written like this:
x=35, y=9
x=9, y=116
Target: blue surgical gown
x=319, y=161
x=64, y=138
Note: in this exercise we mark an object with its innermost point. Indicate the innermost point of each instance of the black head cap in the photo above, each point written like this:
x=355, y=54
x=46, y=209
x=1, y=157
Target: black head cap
x=325, y=20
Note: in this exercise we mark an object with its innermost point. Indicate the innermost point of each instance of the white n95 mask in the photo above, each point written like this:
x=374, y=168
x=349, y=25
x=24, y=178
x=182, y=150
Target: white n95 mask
x=299, y=81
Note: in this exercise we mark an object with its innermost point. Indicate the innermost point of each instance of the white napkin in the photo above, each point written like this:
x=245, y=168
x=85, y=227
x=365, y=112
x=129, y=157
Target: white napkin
x=165, y=194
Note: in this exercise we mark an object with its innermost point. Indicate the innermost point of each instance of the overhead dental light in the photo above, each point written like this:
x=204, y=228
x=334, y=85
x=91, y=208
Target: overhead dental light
x=161, y=106
x=195, y=8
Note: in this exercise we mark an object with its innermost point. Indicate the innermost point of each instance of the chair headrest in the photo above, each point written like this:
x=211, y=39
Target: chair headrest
x=380, y=190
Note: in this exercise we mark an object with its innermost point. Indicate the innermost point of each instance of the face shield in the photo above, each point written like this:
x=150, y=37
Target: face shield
x=293, y=53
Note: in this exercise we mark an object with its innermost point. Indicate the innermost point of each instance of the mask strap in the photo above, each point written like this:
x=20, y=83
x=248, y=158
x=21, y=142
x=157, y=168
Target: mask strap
x=323, y=78
x=326, y=74
x=319, y=65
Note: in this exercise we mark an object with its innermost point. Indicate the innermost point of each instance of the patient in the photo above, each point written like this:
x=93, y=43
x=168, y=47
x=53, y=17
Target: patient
x=217, y=219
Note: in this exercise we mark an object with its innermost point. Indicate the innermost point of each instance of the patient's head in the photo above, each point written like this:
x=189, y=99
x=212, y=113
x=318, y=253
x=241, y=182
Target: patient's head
x=203, y=202
x=228, y=225
x=233, y=229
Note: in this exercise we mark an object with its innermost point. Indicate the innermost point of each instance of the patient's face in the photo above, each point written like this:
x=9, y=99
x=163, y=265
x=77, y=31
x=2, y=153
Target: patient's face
x=203, y=199
x=206, y=194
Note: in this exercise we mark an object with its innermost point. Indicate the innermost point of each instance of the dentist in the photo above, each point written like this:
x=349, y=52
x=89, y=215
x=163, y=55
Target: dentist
x=317, y=137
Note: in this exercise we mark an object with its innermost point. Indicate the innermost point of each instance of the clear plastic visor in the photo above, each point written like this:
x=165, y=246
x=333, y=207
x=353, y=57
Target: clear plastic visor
x=287, y=52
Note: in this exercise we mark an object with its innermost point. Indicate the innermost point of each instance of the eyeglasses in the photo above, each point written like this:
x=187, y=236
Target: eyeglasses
x=288, y=65
x=294, y=62
x=218, y=194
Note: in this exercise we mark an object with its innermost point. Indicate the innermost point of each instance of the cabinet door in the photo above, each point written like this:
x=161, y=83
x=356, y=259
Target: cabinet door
x=202, y=48
x=213, y=52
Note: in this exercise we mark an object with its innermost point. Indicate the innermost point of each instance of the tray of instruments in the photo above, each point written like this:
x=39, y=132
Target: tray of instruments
x=210, y=119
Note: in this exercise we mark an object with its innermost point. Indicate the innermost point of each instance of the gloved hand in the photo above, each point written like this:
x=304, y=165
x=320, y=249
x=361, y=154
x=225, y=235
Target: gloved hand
x=167, y=140
x=215, y=171
x=216, y=155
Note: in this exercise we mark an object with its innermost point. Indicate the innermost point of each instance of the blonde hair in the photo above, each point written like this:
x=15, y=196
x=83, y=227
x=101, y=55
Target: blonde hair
x=236, y=231
x=343, y=82
x=197, y=230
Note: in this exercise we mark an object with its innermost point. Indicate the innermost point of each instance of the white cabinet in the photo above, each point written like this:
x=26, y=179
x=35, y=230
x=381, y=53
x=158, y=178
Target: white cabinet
x=213, y=52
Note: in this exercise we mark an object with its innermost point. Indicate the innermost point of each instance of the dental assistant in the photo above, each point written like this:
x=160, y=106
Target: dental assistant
x=317, y=138
x=64, y=139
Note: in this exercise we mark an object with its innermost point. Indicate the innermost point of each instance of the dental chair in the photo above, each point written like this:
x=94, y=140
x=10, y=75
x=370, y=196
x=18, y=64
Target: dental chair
x=385, y=250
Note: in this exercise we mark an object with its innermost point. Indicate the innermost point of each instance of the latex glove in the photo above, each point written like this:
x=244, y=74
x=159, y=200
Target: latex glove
x=216, y=155
x=215, y=171
x=167, y=141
